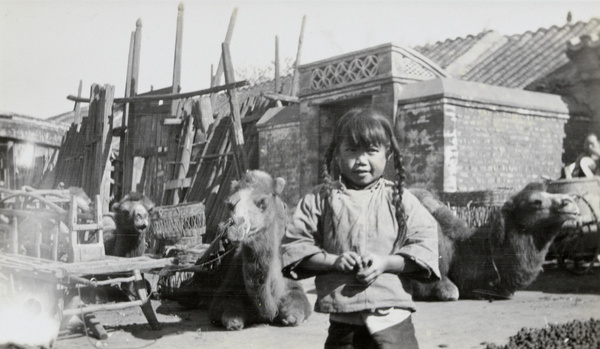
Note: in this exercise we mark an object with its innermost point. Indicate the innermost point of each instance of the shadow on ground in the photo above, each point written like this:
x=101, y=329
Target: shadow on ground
x=558, y=280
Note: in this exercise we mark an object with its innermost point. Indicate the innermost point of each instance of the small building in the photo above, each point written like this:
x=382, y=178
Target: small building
x=476, y=113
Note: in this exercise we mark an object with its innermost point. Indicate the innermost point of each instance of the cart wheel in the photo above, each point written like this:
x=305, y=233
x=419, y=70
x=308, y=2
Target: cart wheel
x=573, y=250
x=573, y=260
x=577, y=267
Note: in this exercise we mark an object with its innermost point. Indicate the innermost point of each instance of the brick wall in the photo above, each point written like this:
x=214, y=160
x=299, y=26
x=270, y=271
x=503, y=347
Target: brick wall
x=462, y=136
x=505, y=148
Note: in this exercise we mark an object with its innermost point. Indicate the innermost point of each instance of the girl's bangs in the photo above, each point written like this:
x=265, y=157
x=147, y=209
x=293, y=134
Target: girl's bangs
x=363, y=132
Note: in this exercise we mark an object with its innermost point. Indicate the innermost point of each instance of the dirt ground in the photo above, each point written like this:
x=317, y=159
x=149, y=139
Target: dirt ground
x=557, y=296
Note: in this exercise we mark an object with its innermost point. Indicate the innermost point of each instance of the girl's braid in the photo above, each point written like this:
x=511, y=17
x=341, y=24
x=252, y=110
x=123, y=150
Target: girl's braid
x=327, y=163
x=399, y=189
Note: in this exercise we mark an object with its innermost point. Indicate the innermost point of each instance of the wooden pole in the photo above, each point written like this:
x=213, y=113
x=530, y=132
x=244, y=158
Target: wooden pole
x=130, y=128
x=103, y=147
x=120, y=164
x=77, y=116
x=183, y=163
x=177, y=60
x=217, y=77
x=277, y=81
x=136, y=57
x=238, y=134
x=296, y=76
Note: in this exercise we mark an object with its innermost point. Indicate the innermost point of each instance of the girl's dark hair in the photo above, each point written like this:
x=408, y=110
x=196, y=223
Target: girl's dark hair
x=364, y=127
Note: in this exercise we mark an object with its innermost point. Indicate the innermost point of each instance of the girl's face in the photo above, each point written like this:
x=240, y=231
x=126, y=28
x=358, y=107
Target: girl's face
x=361, y=165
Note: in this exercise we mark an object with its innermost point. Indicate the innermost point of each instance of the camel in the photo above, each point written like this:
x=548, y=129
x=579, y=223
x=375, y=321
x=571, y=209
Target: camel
x=253, y=288
x=501, y=257
x=126, y=226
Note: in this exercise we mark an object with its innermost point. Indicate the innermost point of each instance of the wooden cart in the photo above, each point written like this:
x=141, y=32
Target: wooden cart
x=51, y=247
x=55, y=284
x=577, y=248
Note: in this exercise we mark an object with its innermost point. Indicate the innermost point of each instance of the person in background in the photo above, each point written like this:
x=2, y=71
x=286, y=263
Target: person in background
x=587, y=163
x=363, y=236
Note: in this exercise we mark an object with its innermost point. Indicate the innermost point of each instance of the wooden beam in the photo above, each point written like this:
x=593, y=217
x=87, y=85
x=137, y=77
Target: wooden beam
x=120, y=164
x=185, y=155
x=77, y=116
x=136, y=58
x=166, y=97
x=237, y=131
x=217, y=77
x=178, y=183
x=296, y=75
x=277, y=80
x=280, y=97
x=127, y=149
x=176, y=87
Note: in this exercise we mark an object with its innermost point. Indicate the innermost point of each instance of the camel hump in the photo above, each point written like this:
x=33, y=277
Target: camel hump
x=452, y=226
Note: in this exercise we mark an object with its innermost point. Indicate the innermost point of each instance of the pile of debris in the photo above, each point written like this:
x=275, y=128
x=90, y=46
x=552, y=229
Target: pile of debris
x=575, y=334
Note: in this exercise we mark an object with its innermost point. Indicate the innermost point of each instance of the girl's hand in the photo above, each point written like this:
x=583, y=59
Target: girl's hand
x=347, y=261
x=371, y=267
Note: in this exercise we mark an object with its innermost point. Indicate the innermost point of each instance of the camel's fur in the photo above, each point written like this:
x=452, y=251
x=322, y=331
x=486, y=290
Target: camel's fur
x=254, y=289
x=503, y=256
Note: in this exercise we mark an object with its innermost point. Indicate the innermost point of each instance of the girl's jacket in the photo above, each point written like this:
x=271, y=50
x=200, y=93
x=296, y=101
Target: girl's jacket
x=336, y=219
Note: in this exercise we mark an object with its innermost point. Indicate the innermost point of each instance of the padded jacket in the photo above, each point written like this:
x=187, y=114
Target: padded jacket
x=336, y=219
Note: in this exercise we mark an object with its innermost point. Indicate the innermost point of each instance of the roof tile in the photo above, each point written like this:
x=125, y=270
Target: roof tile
x=517, y=60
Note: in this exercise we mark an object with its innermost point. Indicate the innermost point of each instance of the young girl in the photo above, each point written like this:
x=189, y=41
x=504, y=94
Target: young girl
x=363, y=236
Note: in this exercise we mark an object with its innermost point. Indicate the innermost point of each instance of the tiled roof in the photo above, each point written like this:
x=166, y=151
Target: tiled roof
x=515, y=61
x=445, y=52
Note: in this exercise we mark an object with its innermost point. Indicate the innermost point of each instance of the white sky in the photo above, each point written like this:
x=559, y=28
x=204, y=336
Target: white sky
x=47, y=47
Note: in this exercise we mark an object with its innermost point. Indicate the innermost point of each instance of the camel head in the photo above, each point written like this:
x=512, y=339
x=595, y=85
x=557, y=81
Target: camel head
x=255, y=206
x=533, y=210
x=132, y=213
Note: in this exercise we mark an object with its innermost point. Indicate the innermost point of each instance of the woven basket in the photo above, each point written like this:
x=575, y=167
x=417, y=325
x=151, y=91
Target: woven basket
x=179, y=222
x=477, y=216
x=485, y=198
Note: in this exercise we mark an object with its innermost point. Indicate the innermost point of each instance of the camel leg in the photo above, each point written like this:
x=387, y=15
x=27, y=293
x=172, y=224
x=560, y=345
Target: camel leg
x=445, y=290
x=235, y=315
x=295, y=307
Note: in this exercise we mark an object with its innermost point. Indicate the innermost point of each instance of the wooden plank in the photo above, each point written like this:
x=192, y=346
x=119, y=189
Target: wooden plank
x=130, y=129
x=110, y=266
x=178, y=183
x=206, y=114
x=217, y=135
x=209, y=170
x=168, y=97
x=184, y=157
x=98, y=139
x=237, y=131
x=281, y=97
x=123, y=139
x=104, y=146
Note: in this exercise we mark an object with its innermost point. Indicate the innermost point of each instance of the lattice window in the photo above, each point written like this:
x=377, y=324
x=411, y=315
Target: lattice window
x=344, y=72
x=411, y=67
